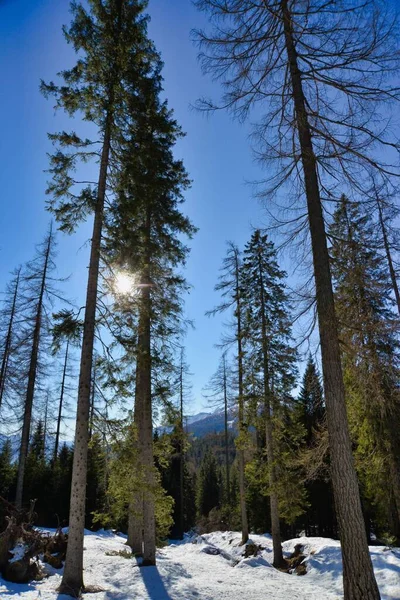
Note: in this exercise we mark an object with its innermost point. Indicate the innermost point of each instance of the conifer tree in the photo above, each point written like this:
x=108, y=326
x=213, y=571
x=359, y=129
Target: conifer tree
x=37, y=293
x=267, y=337
x=364, y=304
x=219, y=395
x=310, y=401
x=9, y=344
x=7, y=469
x=144, y=243
x=310, y=409
x=230, y=286
x=114, y=55
x=208, y=493
x=67, y=331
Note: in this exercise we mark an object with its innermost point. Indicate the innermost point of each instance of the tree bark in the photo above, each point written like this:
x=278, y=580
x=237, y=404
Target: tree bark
x=143, y=412
x=92, y=398
x=181, y=457
x=7, y=344
x=60, y=404
x=30, y=392
x=358, y=576
x=135, y=525
x=278, y=560
x=228, y=486
x=143, y=391
x=388, y=255
x=72, y=581
x=242, y=425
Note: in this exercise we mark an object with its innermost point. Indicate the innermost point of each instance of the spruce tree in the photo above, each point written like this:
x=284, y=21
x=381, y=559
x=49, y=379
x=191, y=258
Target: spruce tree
x=268, y=339
x=145, y=233
x=230, y=286
x=370, y=348
x=7, y=469
x=208, y=492
x=310, y=401
x=114, y=55
x=310, y=408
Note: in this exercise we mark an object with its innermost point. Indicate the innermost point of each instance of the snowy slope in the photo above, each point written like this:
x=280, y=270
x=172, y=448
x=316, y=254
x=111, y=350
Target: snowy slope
x=185, y=571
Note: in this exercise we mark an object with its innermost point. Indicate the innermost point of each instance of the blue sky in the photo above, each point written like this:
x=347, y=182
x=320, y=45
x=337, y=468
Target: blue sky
x=216, y=152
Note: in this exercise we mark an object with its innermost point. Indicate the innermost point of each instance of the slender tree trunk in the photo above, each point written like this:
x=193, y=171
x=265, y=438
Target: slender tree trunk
x=30, y=392
x=7, y=344
x=72, y=581
x=228, y=486
x=46, y=410
x=92, y=398
x=181, y=457
x=358, y=576
x=278, y=560
x=242, y=425
x=388, y=255
x=60, y=404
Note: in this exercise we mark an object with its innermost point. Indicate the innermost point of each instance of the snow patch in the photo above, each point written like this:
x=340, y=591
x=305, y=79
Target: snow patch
x=185, y=571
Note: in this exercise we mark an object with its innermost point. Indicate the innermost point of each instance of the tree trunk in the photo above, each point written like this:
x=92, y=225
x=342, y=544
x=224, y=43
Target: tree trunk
x=228, y=486
x=60, y=404
x=143, y=412
x=72, y=581
x=30, y=392
x=358, y=576
x=278, y=560
x=92, y=398
x=388, y=255
x=7, y=344
x=46, y=410
x=143, y=391
x=181, y=457
x=242, y=425
x=135, y=524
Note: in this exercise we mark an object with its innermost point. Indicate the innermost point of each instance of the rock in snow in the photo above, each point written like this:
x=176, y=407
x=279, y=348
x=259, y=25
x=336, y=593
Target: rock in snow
x=187, y=571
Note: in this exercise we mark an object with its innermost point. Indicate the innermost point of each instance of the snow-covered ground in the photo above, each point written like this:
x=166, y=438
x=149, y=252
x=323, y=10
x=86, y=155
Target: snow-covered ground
x=187, y=571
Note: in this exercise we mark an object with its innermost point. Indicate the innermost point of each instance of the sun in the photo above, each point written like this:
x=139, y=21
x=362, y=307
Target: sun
x=124, y=283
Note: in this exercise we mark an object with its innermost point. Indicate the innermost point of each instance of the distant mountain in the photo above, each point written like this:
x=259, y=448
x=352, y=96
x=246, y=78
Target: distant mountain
x=203, y=423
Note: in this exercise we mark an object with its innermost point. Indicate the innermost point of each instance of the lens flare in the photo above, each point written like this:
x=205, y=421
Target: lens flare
x=124, y=283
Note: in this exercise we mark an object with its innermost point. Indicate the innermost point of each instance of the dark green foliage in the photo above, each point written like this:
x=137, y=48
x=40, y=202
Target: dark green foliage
x=38, y=476
x=262, y=278
x=170, y=480
x=7, y=470
x=320, y=518
x=61, y=486
x=96, y=479
x=270, y=360
x=370, y=357
x=310, y=403
x=113, y=52
x=8, y=476
x=208, y=485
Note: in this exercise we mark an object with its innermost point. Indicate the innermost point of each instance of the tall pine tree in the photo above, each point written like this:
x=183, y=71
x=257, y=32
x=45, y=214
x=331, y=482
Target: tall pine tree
x=114, y=54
